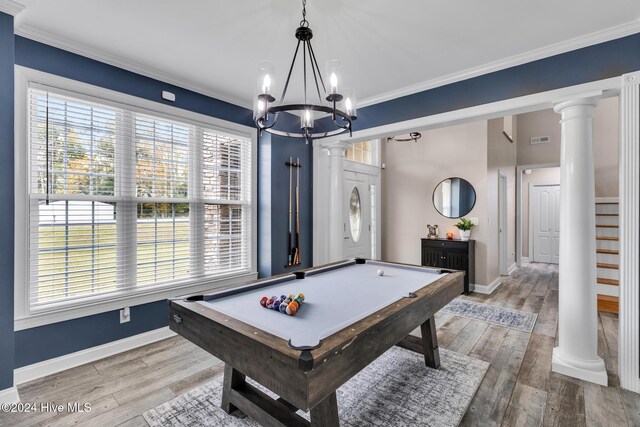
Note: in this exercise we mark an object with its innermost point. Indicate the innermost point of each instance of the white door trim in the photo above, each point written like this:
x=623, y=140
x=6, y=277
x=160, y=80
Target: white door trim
x=532, y=185
x=503, y=226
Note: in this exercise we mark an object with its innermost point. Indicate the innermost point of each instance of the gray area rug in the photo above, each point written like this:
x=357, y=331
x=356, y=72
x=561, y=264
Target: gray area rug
x=514, y=319
x=397, y=389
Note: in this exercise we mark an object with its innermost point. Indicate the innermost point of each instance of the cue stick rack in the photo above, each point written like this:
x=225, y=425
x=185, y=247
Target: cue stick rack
x=294, y=257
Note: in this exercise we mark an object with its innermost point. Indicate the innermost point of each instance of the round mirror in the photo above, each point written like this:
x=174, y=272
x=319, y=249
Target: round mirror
x=355, y=217
x=454, y=197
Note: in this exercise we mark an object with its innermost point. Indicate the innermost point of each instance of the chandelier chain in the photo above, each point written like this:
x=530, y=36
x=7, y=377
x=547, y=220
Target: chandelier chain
x=304, y=22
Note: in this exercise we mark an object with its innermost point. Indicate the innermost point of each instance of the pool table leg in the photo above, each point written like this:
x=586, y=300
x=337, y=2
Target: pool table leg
x=430, y=343
x=325, y=414
x=232, y=379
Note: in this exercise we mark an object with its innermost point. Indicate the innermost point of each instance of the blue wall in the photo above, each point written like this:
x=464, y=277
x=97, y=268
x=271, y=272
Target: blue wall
x=6, y=200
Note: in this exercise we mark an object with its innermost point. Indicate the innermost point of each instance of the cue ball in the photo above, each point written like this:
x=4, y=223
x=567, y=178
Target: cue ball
x=380, y=272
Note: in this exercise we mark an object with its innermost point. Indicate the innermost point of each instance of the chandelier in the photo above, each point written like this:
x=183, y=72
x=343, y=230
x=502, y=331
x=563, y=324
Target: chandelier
x=332, y=114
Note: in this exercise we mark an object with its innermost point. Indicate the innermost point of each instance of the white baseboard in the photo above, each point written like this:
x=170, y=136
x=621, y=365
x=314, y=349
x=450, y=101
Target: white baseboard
x=487, y=289
x=9, y=395
x=524, y=260
x=512, y=268
x=68, y=361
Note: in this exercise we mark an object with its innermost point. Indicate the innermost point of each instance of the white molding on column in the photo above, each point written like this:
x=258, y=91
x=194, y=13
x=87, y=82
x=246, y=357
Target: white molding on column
x=11, y=7
x=9, y=395
x=68, y=361
x=524, y=260
x=629, y=160
x=512, y=268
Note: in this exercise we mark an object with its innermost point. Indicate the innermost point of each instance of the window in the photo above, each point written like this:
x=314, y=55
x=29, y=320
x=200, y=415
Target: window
x=123, y=200
x=360, y=152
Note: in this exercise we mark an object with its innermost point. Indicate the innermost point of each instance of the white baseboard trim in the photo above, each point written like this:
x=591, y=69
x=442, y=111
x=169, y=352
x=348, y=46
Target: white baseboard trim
x=487, y=289
x=512, y=268
x=9, y=395
x=68, y=361
x=525, y=260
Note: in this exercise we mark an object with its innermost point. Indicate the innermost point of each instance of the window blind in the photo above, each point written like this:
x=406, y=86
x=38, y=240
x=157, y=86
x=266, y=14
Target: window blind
x=122, y=200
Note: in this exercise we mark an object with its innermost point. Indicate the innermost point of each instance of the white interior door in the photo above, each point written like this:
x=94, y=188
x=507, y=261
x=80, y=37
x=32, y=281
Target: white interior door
x=502, y=223
x=545, y=223
x=357, y=215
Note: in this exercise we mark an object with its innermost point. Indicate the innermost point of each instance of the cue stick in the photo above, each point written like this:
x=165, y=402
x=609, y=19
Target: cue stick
x=289, y=249
x=297, y=257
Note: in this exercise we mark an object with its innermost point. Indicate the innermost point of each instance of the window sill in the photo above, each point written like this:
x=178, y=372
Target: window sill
x=117, y=302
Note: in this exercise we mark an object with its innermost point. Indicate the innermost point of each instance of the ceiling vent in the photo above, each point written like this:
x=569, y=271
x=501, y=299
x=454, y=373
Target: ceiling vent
x=540, y=140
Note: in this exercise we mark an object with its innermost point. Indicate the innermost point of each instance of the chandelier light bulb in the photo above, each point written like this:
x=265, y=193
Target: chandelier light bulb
x=266, y=84
x=334, y=82
x=260, y=105
x=348, y=105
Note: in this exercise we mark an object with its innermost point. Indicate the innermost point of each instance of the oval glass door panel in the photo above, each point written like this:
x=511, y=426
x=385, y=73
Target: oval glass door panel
x=355, y=214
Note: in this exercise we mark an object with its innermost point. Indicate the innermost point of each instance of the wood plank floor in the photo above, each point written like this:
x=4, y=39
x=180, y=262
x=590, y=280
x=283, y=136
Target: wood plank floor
x=518, y=390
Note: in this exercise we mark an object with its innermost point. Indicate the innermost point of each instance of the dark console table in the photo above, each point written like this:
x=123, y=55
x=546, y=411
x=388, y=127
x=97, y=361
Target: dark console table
x=453, y=254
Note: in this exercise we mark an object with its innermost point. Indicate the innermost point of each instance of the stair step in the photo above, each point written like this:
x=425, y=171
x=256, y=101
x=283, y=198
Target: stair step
x=607, y=214
x=609, y=266
x=607, y=304
x=607, y=251
x=606, y=238
x=612, y=282
x=606, y=226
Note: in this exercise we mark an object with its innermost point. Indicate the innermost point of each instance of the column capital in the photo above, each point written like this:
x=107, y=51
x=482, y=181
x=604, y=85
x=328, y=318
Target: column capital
x=588, y=100
x=336, y=147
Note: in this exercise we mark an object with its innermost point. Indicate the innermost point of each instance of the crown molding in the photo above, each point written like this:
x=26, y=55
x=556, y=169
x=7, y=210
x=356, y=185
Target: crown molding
x=512, y=61
x=125, y=64
x=10, y=7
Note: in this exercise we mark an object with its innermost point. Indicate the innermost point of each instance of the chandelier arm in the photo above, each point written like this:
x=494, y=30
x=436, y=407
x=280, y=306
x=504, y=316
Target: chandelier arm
x=286, y=85
x=315, y=75
x=313, y=57
x=304, y=69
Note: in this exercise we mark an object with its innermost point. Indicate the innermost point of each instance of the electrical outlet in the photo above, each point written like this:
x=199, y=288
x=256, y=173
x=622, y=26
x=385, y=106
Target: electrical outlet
x=125, y=315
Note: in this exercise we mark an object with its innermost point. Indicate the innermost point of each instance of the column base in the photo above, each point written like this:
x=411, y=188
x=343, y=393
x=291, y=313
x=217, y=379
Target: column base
x=593, y=371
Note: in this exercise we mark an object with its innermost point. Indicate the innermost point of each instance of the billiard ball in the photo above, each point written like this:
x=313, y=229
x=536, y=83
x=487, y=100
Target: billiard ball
x=270, y=302
x=300, y=296
x=263, y=301
x=283, y=307
x=276, y=305
x=292, y=308
x=380, y=272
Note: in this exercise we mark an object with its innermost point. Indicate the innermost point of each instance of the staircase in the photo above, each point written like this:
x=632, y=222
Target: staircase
x=607, y=254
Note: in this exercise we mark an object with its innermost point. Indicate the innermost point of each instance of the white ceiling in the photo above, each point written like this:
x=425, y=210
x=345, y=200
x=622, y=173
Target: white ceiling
x=388, y=48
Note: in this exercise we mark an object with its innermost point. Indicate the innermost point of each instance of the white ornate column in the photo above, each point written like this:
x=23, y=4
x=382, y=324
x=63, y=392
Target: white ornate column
x=577, y=352
x=336, y=188
x=629, y=155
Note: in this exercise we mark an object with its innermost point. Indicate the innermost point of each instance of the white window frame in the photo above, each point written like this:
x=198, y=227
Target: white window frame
x=26, y=318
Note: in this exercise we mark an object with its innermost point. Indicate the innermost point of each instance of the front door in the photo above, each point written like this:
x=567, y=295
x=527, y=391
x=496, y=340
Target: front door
x=356, y=225
x=545, y=201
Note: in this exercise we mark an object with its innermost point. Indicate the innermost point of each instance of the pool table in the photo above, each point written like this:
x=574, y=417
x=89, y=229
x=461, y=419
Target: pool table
x=351, y=315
